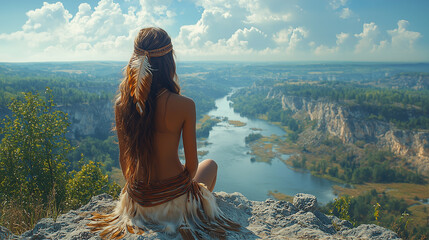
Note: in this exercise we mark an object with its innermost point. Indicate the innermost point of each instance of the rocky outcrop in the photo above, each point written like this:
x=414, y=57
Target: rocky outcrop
x=259, y=220
x=95, y=119
x=352, y=125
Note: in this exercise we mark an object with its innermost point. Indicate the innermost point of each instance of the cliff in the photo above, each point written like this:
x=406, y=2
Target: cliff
x=95, y=119
x=352, y=125
x=259, y=220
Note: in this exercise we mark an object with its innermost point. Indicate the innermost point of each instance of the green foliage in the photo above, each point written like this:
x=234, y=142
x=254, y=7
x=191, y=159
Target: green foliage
x=254, y=105
x=88, y=182
x=377, y=208
x=103, y=151
x=340, y=207
x=252, y=137
x=34, y=182
x=370, y=164
x=374, y=166
x=206, y=127
x=377, y=211
x=203, y=92
x=66, y=91
x=407, y=109
x=33, y=151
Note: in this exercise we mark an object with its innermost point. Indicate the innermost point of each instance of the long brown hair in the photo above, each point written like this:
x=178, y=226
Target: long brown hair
x=137, y=128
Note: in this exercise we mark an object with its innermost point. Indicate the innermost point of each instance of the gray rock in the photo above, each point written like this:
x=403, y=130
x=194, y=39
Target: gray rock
x=5, y=233
x=259, y=220
x=369, y=231
x=305, y=202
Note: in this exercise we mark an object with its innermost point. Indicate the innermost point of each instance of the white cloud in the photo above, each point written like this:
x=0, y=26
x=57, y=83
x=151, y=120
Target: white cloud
x=252, y=38
x=367, y=38
x=345, y=13
x=282, y=36
x=339, y=6
x=325, y=50
x=335, y=4
x=341, y=38
x=239, y=27
x=262, y=12
x=50, y=16
x=51, y=33
x=401, y=37
x=233, y=30
x=298, y=34
x=290, y=38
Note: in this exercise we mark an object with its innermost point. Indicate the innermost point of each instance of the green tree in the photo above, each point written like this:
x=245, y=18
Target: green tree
x=88, y=182
x=341, y=207
x=33, y=151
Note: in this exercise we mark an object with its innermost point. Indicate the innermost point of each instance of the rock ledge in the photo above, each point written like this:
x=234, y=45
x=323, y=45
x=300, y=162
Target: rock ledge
x=260, y=220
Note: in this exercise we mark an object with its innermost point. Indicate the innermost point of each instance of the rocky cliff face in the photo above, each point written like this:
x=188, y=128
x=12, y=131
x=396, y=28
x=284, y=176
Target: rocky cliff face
x=352, y=126
x=95, y=119
x=259, y=220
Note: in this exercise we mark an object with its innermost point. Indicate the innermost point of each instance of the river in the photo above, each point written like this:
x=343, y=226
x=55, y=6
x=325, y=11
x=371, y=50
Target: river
x=237, y=173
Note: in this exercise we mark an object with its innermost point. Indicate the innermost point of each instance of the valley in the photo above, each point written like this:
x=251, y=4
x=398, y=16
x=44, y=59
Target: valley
x=285, y=128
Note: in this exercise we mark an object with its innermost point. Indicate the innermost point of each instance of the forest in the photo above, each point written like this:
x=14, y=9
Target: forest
x=406, y=108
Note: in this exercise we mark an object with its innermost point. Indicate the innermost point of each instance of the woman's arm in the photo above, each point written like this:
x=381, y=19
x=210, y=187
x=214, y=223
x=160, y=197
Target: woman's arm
x=189, y=137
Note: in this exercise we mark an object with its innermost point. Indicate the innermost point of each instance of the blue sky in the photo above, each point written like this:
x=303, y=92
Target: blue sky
x=207, y=30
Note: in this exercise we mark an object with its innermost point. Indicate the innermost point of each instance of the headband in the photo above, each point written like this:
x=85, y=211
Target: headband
x=155, y=52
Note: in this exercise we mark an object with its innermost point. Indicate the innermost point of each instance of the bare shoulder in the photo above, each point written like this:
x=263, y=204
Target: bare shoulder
x=181, y=102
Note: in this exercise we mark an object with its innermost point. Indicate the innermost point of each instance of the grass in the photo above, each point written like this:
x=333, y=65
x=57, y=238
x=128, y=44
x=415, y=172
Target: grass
x=20, y=218
x=202, y=153
x=237, y=123
x=262, y=150
x=280, y=196
x=406, y=191
x=202, y=120
x=420, y=214
x=117, y=176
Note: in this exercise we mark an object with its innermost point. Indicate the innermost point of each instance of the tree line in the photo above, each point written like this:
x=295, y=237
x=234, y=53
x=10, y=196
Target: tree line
x=407, y=109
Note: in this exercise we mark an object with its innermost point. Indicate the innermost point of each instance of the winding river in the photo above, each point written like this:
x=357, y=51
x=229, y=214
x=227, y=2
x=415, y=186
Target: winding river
x=237, y=173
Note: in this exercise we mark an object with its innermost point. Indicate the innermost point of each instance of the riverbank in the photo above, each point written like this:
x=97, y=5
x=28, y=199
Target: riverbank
x=239, y=170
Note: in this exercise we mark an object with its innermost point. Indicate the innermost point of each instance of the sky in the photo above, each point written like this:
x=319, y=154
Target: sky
x=218, y=30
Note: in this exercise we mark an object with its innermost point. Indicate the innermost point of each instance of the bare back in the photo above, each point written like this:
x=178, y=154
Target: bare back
x=174, y=114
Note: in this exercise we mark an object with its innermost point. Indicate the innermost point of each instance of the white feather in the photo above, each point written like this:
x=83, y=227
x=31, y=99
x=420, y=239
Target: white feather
x=141, y=63
x=139, y=108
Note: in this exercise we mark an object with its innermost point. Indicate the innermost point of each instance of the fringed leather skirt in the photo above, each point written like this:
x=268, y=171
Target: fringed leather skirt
x=176, y=204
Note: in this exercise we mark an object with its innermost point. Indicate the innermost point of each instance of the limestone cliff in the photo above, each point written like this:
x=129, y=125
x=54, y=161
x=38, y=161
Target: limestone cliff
x=352, y=125
x=95, y=119
x=259, y=220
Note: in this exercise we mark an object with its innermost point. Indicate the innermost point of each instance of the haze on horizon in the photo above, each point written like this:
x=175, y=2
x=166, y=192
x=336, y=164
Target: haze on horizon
x=220, y=30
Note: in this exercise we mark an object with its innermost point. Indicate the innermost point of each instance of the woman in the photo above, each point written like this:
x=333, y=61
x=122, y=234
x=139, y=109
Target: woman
x=150, y=117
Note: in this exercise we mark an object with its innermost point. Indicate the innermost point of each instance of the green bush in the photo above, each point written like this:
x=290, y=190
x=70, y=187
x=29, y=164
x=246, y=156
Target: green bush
x=88, y=182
